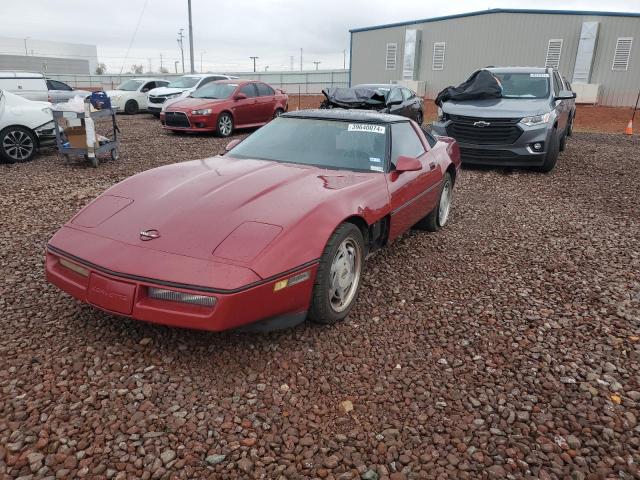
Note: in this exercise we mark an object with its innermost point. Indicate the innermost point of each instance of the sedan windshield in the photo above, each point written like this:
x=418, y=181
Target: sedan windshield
x=130, y=85
x=524, y=85
x=184, y=82
x=323, y=143
x=215, y=90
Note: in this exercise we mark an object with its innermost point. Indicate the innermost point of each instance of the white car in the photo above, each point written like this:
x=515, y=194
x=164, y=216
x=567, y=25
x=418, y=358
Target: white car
x=25, y=126
x=131, y=95
x=181, y=86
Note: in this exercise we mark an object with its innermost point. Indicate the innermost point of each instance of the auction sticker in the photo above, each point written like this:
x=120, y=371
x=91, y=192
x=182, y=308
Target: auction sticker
x=539, y=75
x=366, y=127
x=376, y=168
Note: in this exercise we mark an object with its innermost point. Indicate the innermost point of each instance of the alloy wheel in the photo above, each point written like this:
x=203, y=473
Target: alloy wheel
x=445, y=203
x=225, y=125
x=345, y=274
x=18, y=145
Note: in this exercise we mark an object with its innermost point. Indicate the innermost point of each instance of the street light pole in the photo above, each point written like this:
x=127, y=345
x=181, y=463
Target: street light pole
x=180, y=37
x=317, y=63
x=254, y=62
x=175, y=64
x=191, y=39
x=26, y=52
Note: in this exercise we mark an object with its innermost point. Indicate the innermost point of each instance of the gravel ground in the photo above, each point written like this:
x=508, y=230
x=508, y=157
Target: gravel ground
x=505, y=346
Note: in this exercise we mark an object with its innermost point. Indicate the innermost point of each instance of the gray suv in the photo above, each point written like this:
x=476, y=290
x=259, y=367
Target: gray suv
x=527, y=126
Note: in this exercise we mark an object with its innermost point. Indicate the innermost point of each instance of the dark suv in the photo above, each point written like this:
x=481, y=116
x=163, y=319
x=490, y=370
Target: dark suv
x=527, y=126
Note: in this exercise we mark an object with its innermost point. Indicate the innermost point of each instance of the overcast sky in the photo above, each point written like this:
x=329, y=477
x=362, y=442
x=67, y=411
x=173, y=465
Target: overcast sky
x=226, y=33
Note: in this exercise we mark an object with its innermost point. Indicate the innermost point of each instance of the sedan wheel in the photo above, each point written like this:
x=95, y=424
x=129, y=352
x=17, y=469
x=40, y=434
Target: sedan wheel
x=225, y=125
x=439, y=216
x=339, y=275
x=278, y=112
x=18, y=144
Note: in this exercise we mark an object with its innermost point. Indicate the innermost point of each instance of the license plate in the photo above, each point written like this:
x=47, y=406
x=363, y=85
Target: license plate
x=111, y=294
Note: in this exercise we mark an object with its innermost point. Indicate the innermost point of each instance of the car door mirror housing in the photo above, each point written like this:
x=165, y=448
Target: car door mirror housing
x=566, y=95
x=240, y=96
x=232, y=144
x=408, y=164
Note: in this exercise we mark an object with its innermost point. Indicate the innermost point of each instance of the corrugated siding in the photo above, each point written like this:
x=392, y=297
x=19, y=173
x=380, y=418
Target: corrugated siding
x=503, y=39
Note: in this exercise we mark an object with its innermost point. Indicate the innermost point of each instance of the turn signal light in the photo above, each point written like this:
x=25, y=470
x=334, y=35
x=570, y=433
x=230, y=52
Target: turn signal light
x=74, y=267
x=173, y=296
x=291, y=281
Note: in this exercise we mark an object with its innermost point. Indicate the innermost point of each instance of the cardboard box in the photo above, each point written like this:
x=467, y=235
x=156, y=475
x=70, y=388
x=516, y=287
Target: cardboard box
x=77, y=137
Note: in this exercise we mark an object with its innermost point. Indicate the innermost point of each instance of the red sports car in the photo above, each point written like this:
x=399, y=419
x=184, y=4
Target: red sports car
x=274, y=231
x=223, y=106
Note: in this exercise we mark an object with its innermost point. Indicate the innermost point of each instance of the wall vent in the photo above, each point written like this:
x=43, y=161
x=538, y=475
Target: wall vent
x=392, y=56
x=438, y=56
x=554, y=51
x=622, y=54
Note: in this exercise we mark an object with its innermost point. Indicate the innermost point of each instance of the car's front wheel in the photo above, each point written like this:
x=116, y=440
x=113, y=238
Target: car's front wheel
x=131, y=107
x=553, y=152
x=439, y=216
x=17, y=144
x=339, y=275
x=278, y=112
x=225, y=124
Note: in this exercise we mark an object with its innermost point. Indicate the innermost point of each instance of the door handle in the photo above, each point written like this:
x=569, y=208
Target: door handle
x=432, y=166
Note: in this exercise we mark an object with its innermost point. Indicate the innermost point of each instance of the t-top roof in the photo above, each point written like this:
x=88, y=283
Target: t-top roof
x=500, y=10
x=347, y=115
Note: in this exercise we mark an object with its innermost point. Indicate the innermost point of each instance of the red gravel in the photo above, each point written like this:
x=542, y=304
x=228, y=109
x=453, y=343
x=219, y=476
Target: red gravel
x=505, y=346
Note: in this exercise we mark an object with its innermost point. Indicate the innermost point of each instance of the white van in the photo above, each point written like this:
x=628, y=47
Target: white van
x=32, y=86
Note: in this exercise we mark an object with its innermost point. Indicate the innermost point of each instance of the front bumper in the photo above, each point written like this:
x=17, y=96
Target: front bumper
x=518, y=154
x=197, y=123
x=127, y=295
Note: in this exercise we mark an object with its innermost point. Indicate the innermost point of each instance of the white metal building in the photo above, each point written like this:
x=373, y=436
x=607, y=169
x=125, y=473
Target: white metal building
x=50, y=55
x=598, y=52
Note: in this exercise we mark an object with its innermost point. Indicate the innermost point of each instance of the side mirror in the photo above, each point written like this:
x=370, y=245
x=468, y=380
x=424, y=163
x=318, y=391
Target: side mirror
x=408, y=164
x=566, y=95
x=232, y=144
x=240, y=96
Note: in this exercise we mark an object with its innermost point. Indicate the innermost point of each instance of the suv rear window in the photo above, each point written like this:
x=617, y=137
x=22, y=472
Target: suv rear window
x=524, y=85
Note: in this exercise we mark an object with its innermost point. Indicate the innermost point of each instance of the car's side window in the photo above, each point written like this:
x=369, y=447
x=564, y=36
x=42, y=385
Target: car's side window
x=395, y=95
x=404, y=142
x=265, y=90
x=148, y=86
x=162, y=83
x=429, y=136
x=407, y=94
x=557, y=85
x=60, y=86
x=209, y=80
x=249, y=90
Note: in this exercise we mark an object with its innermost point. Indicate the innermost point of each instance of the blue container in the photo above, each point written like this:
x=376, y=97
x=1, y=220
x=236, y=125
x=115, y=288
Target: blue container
x=100, y=100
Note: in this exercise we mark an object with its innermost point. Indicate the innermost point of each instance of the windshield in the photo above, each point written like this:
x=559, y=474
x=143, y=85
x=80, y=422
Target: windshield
x=184, y=82
x=323, y=143
x=130, y=85
x=215, y=90
x=524, y=85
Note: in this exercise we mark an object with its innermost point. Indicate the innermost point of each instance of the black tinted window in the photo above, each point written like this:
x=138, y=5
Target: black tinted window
x=404, y=141
x=557, y=84
x=265, y=90
x=56, y=85
x=249, y=90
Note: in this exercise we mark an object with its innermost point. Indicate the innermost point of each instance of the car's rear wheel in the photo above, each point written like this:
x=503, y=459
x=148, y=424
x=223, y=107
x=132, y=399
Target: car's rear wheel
x=570, y=126
x=131, y=107
x=552, y=153
x=439, y=216
x=225, y=125
x=419, y=118
x=339, y=275
x=278, y=112
x=17, y=144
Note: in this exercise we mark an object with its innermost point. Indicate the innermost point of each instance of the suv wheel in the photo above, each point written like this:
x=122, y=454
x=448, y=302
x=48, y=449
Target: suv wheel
x=552, y=153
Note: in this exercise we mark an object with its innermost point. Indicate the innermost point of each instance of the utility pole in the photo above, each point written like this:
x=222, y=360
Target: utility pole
x=191, y=39
x=160, y=63
x=317, y=63
x=254, y=62
x=201, y=54
x=180, y=37
x=300, y=59
x=26, y=52
x=175, y=64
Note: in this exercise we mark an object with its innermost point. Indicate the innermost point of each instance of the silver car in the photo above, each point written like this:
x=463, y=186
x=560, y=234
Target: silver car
x=527, y=126
x=60, y=92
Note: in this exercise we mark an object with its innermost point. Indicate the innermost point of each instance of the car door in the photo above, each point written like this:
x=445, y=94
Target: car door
x=246, y=110
x=562, y=106
x=412, y=194
x=142, y=93
x=395, y=95
x=267, y=101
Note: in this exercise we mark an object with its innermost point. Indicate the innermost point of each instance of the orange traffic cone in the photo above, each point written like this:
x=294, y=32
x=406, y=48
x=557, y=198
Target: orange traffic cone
x=629, y=129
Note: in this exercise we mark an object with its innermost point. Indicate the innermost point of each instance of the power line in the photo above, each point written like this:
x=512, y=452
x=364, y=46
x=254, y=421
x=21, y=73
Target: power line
x=134, y=33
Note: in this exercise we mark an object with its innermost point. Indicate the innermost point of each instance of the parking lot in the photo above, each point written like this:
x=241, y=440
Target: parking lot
x=507, y=345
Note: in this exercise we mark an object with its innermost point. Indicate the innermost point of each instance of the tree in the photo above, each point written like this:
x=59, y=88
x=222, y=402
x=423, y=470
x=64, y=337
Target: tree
x=101, y=69
x=137, y=69
x=164, y=70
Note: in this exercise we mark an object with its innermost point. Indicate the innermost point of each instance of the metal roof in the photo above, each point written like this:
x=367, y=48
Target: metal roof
x=346, y=115
x=500, y=10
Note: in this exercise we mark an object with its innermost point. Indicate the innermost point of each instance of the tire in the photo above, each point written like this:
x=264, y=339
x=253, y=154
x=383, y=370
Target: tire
x=115, y=154
x=17, y=144
x=552, y=154
x=570, y=126
x=563, y=142
x=420, y=118
x=439, y=216
x=278, y=112
x=131, y=107
x=328, y=307
x=225, y=125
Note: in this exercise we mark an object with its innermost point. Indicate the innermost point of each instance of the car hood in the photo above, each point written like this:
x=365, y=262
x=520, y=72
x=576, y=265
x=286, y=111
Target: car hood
x=161, y=91
x=19, y=110
x=188, y=103
x=196, y=205
x=498, y=107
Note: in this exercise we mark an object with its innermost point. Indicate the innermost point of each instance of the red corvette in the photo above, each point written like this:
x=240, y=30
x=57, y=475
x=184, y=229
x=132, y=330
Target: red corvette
x=274, y=231
x=223, y=106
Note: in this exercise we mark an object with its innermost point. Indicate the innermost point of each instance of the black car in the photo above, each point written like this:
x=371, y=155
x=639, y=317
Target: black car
x=394, y=99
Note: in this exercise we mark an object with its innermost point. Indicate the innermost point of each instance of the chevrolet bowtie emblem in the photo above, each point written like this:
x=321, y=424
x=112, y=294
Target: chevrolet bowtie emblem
x=481, y=123
x=147, y=235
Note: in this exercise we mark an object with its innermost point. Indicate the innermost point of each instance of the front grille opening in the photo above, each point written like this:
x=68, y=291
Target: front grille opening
x=500, y=131
x=176, y=119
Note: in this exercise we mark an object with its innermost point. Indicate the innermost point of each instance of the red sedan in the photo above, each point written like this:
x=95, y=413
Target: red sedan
x=223, y=106
x=274, y=231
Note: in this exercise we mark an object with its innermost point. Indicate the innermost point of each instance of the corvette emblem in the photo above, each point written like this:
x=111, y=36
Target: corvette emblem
x=147, y=235
x=481, y=123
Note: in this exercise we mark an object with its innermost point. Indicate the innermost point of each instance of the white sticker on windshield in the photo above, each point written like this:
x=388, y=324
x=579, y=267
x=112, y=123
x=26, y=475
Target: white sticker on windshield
x=366, y=127
x=539, y=75
x=376, y=168
x=375, y=160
